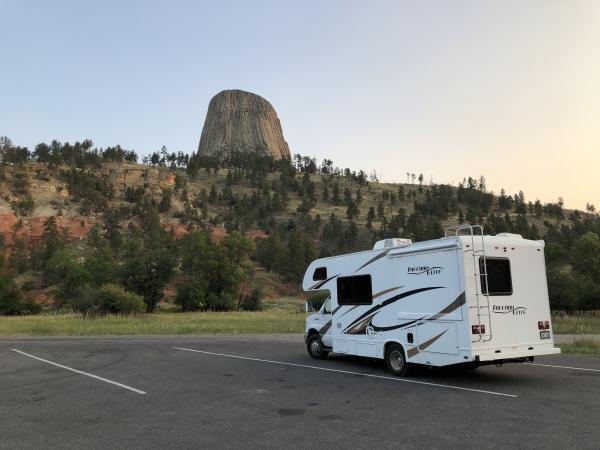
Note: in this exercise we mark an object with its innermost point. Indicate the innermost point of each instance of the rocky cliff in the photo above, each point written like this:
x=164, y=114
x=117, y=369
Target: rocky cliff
x=241, y=121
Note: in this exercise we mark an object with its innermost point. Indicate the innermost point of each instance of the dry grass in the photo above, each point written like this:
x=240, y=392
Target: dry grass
x=273, y=320
x=581, y=347
x=576, y=324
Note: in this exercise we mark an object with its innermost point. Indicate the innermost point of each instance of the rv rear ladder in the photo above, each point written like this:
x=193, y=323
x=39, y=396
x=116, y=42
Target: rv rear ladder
x=480, y=278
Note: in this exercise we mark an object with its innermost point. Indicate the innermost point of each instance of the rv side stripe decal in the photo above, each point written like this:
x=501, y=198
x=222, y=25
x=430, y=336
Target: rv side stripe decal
x=321, y=283
x=389, y=301
x=325, y=328
x=354, y=307
x=457, y=303
x=372, y=260
x=379, y=294
x=415, y=350
x=395, y=327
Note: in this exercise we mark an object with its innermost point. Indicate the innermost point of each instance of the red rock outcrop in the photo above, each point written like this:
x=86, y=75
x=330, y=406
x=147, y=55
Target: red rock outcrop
x=31, y=229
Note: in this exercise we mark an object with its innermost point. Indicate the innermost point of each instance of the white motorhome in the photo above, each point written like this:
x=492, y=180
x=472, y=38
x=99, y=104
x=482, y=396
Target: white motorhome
x=462, y=299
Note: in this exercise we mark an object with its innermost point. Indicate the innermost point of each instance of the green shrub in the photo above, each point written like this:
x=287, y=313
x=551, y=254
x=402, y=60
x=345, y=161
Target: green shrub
x=115, y=299
x=28, y=285
x=108, y=298
x=254, y=301
x=220, y=302
x=12, y=302
x=85, y=300
x=191, y=297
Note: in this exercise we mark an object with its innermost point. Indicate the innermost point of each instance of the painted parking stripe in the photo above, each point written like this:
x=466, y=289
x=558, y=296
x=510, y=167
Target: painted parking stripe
x=80, y=372
x=404, y=380
x=564, y=367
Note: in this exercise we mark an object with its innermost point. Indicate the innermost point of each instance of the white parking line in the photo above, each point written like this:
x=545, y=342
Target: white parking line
x=124, y=386
x=565, y=367
x=404, y=380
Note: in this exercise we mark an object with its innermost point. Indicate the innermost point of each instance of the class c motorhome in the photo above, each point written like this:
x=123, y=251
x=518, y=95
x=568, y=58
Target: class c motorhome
x=467, y=298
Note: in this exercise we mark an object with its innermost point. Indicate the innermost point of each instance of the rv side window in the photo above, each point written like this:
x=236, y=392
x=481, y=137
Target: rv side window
x=320, y=273
x=499, y=281
x=354, y=290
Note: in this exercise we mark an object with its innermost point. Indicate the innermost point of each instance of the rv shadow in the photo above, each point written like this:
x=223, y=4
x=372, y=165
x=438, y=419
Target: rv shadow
x=374, y=366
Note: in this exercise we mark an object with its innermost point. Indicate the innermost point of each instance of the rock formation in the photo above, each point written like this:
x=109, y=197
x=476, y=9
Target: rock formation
x=241, y=121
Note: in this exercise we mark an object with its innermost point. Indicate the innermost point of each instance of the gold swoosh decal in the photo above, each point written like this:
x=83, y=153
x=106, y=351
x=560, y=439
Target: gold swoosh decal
x=414, y=351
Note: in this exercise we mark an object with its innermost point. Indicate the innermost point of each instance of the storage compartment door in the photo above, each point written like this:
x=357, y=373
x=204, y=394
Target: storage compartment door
x=437, y=337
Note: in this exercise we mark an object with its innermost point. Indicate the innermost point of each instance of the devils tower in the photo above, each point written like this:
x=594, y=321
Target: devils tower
x=242, y=121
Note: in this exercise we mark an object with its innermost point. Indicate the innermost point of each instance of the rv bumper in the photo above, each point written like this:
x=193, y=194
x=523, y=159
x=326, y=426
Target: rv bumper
x=515, y=354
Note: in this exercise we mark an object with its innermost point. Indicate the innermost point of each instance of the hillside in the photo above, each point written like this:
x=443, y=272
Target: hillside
x=50, y=196
x=88, y=199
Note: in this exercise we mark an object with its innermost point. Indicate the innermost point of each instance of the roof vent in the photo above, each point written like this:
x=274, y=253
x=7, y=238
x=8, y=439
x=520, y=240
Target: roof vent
x=389, y=243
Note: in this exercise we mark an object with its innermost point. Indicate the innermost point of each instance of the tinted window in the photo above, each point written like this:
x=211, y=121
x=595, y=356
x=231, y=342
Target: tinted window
x=320, y=274
x=499, y=281
x=355, y=290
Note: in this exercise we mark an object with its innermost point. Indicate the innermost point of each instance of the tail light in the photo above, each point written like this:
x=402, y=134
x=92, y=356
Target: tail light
x=544, y=325
x=478, y=329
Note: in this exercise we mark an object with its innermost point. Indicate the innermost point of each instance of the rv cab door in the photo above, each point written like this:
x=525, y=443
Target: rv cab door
x=325, y=313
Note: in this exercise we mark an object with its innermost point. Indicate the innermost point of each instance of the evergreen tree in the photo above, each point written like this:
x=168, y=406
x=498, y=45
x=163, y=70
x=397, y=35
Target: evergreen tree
x=352, y=211
x=335, y=197
x=380, y=210
x=359, y=197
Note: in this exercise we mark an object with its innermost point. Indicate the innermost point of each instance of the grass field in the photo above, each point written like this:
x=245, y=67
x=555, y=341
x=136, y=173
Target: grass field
x=581, y=347
x=242, y=322
x=577, y=324
x=281, y=315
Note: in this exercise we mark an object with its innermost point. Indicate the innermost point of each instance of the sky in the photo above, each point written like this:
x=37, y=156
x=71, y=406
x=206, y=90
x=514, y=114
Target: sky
x=505, y=89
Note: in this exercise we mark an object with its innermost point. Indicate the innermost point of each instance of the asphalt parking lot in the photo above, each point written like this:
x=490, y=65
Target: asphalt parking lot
x=266, y=392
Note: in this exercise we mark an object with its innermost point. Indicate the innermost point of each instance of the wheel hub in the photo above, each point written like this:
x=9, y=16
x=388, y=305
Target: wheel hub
x=396, y=360
x=315, y=346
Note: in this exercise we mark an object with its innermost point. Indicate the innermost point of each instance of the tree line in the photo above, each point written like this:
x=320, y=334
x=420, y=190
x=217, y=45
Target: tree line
x=280, y=197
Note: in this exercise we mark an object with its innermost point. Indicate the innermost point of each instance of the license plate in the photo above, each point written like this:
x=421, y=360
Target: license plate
x=544, y=335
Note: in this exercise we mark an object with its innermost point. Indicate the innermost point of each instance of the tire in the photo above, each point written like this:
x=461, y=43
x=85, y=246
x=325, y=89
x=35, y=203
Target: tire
x=314, y=345
x=395, y=360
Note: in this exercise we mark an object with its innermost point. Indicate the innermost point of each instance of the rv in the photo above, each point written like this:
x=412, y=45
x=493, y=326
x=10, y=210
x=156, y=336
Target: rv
x=467, y=298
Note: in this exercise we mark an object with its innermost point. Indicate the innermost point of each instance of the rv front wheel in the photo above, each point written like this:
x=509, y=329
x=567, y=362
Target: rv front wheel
x=315, y=347
x=395, y=360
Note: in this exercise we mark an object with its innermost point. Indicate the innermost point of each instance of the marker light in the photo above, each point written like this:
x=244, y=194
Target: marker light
x=478, y=329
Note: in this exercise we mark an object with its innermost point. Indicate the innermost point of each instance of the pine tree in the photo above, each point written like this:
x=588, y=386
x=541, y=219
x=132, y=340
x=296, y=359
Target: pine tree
x=380, y=210
x=359, y=197
x=325, y=194
x=335, y=197
x=351, y=234
x=352, y=211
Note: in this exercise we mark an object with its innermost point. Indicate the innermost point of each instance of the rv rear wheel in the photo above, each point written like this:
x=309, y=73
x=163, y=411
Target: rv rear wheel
x=395, y=360
x=314, y=346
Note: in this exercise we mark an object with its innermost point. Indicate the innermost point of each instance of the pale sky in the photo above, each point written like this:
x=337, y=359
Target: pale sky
x=507, y=89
